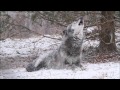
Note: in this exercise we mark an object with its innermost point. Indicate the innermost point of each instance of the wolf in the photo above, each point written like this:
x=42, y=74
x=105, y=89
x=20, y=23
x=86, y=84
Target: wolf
x=68, y=54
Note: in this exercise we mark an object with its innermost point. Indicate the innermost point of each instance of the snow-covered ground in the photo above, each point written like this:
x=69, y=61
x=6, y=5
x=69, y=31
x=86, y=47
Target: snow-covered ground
x=93, y=71
x=15, y=47
x=26, y=47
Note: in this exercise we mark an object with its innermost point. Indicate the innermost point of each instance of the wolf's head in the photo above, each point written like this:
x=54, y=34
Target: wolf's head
x=75, y=29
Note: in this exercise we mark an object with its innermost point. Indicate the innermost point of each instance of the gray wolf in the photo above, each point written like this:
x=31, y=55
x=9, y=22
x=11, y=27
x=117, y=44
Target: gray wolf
x=69, y=53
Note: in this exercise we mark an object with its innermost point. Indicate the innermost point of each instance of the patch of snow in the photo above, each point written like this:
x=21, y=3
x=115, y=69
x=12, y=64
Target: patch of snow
x=109, y=70
x=21, y=47
x=25, y=46
x=89, y=43
x=91, y=29
x=17, y=47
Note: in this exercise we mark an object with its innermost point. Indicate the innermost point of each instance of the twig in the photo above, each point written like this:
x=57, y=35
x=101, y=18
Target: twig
x=95, y=24
x=57, y=22
x=52, y=37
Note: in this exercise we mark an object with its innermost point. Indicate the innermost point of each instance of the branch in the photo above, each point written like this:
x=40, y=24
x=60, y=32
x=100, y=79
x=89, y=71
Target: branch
x=106, y=43
x=57, y=22
x=96, y=23
x=93, y=35
x=34, y=31
x=24, y=28
x=52, y=37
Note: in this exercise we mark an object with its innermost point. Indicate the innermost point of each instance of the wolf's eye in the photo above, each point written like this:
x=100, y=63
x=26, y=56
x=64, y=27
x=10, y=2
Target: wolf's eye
x=71, y=30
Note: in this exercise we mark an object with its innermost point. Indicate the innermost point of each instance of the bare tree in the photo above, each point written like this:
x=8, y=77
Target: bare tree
x=107, y=33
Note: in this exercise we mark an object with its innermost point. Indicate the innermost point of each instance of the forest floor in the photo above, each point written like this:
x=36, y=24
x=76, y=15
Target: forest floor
x=93, y=71
x=15, y=54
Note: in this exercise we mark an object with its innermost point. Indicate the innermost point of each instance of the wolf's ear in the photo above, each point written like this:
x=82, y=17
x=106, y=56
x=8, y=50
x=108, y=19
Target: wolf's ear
x=64, y=32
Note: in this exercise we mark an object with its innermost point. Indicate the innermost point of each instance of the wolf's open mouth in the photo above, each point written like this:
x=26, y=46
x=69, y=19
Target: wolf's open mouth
x=81, y=22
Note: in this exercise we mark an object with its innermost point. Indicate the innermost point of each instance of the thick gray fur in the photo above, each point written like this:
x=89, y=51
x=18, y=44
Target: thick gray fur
x=68, y=54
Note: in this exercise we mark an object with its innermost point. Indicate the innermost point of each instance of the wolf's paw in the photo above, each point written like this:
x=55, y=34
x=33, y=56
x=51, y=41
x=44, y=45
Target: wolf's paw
x=82, y=68
x=30, y=68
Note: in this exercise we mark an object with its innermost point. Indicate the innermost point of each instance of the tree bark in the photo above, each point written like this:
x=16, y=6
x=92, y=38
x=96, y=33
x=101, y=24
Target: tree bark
x=107, y=32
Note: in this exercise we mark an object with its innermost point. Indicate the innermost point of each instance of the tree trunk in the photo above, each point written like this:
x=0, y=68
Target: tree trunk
x=107, y=33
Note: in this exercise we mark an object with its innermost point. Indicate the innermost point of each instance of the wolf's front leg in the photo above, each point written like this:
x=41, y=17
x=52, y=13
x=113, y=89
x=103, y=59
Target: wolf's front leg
x=30, y=67
x=82, y=67
x=36, y=65
x=78, y=63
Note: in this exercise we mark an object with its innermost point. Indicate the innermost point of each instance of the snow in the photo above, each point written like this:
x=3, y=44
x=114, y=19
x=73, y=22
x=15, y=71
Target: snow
x=91, y=29
x=16, y=47
x=89, y=43
x=93, y=71
x=19, y=47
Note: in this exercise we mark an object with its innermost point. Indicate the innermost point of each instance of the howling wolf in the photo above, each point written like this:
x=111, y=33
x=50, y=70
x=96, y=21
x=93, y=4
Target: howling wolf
x=69, y=53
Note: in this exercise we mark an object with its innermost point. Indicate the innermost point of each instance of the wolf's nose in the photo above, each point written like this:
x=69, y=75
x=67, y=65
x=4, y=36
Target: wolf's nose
x=71, y=30
x=81, y=18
